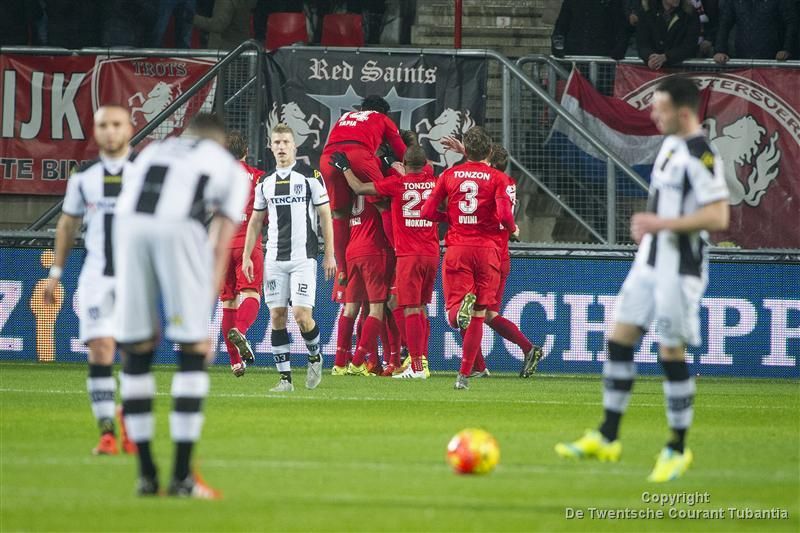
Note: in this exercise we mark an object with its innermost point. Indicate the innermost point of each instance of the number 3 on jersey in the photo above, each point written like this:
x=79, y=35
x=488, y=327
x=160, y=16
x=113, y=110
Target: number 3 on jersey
x=412, y=198
x=470, y=202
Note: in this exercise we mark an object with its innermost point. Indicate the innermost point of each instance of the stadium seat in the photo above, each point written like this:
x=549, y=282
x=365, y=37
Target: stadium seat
x=343, y=29
x=284, y=29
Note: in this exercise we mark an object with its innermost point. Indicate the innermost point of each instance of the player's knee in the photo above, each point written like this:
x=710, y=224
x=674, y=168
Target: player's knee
x=101, y=351
x=136, y=348
x=672, y=353
x=479, y=310
x=376, y=310
x=229, y=304
x=201, y=347
x=302, y=315
x=490, y=315
x=277, y=316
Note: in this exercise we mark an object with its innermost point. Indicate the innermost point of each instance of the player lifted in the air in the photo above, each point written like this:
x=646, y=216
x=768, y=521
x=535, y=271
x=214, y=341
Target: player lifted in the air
x=165, y=253
x=241, y=296
x=688, y=198
x=416, y=244
x=294, y=201
x=91, y=195
x=478, y=210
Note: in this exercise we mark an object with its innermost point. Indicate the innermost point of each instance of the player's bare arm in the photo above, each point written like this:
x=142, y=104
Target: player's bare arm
x=254, y=228
x=220, y=233
x=65, y=239
x=326, y=224
x=711, y=217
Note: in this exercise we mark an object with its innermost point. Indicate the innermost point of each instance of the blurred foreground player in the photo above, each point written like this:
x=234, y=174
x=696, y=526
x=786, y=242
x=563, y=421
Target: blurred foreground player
x=688, y=198
x=241, y=296
x=294, y=202
x=91, y=195
x=416, y=244
x=164, y=252
x=478, y=209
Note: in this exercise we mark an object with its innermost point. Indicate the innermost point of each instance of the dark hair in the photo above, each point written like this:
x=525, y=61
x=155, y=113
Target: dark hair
x=237, y=144
x=409, y=137
x=415, y=158
x=498, y=158
x=682, y=91
x=477, y=143
x=374, y=102
x=207, y=123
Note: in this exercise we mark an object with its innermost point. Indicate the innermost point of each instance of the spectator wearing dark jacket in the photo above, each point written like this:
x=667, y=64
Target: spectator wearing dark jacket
x=708, y=11
x=17, y=25
x=229, y=26
x=73, y=24
x=667, y=33
x=591, y=27
x=765, y=29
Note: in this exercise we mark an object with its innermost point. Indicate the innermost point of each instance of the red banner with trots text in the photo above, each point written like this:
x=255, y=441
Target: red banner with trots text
x=48, y=103
x=753, y=119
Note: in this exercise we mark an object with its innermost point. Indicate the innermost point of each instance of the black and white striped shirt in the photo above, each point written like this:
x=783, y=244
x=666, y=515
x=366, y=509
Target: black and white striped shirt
x=292, y=196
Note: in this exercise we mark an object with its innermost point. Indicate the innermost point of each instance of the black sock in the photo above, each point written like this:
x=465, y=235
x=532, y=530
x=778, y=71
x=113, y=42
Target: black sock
x=677, y=440
x=146, y=466
x=183, y=458
x=610, y=426
x=286, y=376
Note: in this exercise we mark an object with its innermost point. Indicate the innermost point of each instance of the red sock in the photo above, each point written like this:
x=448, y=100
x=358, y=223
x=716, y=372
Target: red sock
x=480, y=363
x=362, y=316
x=416, y=334
x=426, y=322
x=472, y=343
x=368, y=343
x=386, y=220
x=452, y=316
x=341, y=236
x=228, y=322
x=393, y=333
x=246, y=314
x=385, y=342
x=509, y=330
x=344, y=339
x=400, y=320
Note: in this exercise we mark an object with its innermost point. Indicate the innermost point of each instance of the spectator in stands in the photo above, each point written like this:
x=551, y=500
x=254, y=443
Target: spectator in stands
x=708, y=12
x=667, y=33
x=73, y=24
x=183, y=11
x=127, y=23
x=766, y=29
x=590, y=27
x=229, y=26
x=18, y=23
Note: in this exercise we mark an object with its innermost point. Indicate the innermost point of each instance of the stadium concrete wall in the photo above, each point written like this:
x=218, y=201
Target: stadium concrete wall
x=750, y=317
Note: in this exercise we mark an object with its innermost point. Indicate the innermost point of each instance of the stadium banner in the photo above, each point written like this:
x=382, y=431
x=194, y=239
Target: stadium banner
x=48, y=103
x=753, y=118
x=750, y=328
x=433, y=95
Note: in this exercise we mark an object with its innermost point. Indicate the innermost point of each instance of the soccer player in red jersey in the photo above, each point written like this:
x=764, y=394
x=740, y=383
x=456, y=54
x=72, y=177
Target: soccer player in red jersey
x=366, y=281
x=416, y=245
x=358, y=134
x=240, y=296
x=477, y=205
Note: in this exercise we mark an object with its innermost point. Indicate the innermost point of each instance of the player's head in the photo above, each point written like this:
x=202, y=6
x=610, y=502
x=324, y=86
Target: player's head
x=415, y=158
x=113, y=129
x=676, y=104
x=237, y=145
x=498, y=158
x=374, y=102
x=409, y=137
x=282, y=145
x=207, y=126
x=477, y=143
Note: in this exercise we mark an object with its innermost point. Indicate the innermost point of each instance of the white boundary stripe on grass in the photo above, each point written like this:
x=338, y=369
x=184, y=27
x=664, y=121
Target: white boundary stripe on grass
x=454, y=399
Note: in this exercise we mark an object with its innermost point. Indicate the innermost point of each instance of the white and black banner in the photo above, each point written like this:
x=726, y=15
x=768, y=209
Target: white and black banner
x=433, y=95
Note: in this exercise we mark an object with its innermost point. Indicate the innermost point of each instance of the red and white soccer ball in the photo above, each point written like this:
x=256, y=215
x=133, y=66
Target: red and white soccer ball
x=473, y=451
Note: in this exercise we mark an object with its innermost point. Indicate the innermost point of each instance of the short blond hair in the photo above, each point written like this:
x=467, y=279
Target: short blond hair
x=282, y=128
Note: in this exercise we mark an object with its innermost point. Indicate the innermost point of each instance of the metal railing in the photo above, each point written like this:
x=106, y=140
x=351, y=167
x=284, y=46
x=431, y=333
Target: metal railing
x=238, y=94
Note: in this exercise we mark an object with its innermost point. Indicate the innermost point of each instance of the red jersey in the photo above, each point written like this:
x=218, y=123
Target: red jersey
x=502, y=237
x=477, y=204
x=239, y=237
x=413, y=235
x=370, y=129
x=366, y=231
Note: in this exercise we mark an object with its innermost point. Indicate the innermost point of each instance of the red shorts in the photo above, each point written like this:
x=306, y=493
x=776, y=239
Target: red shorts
x=470, y=269
x=505, y=270
x=365, y=165
x=416, y=275
x=339, y=291
x=235, y=280
x=366, y=279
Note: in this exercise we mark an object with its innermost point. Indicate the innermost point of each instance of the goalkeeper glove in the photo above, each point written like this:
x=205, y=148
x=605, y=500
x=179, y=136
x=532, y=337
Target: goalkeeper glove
x=340, y=161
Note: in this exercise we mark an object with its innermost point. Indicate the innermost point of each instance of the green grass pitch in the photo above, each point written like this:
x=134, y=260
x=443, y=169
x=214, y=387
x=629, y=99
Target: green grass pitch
x=367, y=454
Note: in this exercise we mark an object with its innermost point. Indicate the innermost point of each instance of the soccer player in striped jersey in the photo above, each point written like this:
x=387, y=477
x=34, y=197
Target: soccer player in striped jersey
x=91, y=195
x=294, y=202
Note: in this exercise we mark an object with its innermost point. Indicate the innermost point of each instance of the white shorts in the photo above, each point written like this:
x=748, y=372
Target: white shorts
x=673, y=301
x=95, y=306
x=294, y=281
x=170, y=260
